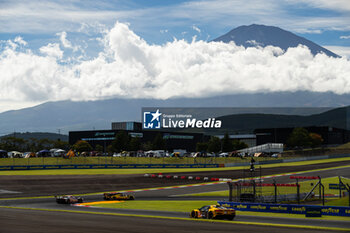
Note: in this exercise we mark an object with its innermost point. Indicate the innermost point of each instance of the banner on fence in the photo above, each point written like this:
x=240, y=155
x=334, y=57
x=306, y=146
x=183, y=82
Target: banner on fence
x=336, y=186
x=102, y=166
x=286, y=208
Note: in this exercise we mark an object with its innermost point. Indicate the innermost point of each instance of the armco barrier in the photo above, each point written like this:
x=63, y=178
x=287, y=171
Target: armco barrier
x=99, y=166
x=285, y=208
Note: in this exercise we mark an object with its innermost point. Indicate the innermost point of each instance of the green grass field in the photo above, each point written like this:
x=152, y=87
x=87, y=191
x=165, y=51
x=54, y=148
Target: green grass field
x=178, y=206
x=344, y=201
x=305, y=187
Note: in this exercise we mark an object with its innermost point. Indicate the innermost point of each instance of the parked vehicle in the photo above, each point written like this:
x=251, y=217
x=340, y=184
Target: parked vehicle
x=57, y=152
x=223, y=154
x=155, y=153
x=15, y=154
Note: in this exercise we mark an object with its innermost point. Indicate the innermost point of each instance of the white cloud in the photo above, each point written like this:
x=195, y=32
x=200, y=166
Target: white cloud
x=308, y=31
x=196, y=29
x=130, y=67
x=254, y=43
x=19, y=40
x=344, y=37
x=65, y=42
x=52, y=50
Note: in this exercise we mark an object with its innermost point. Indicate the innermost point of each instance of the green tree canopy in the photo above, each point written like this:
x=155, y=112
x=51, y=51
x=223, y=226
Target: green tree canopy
x=316, y=139
x=61, y=144
x=82, y=146
x=227, y=144
x=147, y=146
x=121, y=142
x=299, y=138
x=13, y=144
x=135, y=144
x=214, y=144
x=238, y=145
x=99, y=148
x=202, y=146
x=158, y=142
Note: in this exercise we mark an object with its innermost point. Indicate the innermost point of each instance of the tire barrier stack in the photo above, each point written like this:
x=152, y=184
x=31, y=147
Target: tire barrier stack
x=183, y=177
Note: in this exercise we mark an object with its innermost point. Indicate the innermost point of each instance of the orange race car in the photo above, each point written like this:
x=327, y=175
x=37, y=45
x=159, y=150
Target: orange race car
x=118, y=196
x=214, y=212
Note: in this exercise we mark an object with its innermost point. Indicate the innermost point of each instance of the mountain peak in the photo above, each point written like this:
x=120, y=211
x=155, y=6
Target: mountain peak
x=261, y=35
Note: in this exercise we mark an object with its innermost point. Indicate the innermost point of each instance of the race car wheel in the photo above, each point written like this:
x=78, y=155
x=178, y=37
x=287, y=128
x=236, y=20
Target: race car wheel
x=194, y=214
x=230, y=218
x=210, y=215
x=131, y=198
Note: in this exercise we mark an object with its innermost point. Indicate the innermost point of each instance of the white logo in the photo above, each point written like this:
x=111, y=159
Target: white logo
x=152, y=120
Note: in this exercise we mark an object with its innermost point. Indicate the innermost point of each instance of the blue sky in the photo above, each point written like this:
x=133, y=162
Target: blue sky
x=91, y=50
x=160, y=21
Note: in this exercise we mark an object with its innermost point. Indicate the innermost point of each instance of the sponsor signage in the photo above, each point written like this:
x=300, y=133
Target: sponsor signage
x=309, y=210
x=336, y=186
x=99, y=166
x=314, y=211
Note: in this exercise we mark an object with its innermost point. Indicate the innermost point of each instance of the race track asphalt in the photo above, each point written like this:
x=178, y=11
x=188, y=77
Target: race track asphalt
x=30, y=220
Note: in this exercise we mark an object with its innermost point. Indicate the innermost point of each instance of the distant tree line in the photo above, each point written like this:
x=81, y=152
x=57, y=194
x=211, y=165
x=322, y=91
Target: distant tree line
x=11, y=143
x=124, y=142
x=299, y=138
x=216, y=145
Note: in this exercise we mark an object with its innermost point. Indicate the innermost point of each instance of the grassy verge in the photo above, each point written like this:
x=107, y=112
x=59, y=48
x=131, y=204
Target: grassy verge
x=344, y=201
x=166, y=170
x=177, y=206
x=305, y=187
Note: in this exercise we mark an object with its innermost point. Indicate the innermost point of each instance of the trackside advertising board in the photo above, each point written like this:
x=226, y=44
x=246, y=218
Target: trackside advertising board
x=284, y=208
x=102, y=166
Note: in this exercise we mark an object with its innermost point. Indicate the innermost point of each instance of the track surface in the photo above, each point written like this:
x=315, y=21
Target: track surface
x=63, y=184
x=30, y=221
x=77, y=222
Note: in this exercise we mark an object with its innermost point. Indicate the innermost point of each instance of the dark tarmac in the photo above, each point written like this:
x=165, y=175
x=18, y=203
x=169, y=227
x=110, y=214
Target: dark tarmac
x=77, y=184
x=25, y=220
x=32, y=221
